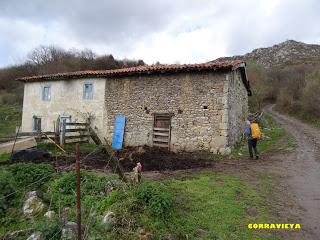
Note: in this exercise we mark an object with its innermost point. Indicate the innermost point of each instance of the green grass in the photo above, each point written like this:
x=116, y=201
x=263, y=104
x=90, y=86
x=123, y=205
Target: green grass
x=302, y=116
x=307, y=118
x=212, y=206
x=4, y=156
x=10, y=117
x=206, y=205
x=271, y=135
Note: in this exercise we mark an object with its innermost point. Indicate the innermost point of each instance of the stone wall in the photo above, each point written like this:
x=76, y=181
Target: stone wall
x=66, y=99
x=196, y=100
x=237, y=107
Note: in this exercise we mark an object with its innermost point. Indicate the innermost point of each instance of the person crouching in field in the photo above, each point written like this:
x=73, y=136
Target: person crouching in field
x=254, y=134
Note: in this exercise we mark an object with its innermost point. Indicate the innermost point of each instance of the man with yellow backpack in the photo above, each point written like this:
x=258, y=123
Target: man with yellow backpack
x=254, y=134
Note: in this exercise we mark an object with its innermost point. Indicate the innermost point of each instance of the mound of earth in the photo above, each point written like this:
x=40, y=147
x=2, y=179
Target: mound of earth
x=157, y=159
x=152, y=159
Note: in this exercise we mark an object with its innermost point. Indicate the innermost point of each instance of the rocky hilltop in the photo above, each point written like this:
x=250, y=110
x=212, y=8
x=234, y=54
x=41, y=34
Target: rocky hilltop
x=283, y=53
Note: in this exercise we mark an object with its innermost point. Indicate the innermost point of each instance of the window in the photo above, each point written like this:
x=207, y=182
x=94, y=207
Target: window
x=46, y=93
x=36, y=124
x=88, y=91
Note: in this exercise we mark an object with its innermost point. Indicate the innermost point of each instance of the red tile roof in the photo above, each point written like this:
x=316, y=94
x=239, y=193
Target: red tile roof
x=147, y=69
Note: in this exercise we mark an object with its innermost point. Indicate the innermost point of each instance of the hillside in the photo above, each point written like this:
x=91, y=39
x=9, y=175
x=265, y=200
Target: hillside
x=285, y=53
x=287, y=74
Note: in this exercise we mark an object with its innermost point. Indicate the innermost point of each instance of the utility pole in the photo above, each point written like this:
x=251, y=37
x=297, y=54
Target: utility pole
x=78, y=191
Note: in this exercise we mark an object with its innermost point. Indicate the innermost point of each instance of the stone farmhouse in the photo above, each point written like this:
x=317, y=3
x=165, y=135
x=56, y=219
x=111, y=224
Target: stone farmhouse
x=182, y=107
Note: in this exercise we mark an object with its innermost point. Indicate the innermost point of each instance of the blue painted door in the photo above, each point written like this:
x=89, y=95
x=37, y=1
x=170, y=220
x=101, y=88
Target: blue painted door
x=119, y=125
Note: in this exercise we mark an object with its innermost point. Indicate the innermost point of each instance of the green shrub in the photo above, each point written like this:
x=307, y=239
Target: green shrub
x=10, y=99
x=63, y=189
x=50, y=229
x=157, y=198
x=4, y=156
x=7, y=186
x=27, y=173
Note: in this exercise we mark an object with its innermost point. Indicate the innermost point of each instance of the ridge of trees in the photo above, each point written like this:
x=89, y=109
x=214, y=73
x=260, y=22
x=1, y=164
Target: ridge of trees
x=294, y=88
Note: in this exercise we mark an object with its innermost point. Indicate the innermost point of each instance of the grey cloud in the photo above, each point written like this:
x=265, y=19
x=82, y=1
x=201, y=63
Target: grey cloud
x=96, y=21
x=119, y=26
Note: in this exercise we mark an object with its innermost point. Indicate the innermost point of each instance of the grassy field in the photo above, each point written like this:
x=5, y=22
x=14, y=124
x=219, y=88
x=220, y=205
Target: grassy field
x=204, y=205
x=10, y=118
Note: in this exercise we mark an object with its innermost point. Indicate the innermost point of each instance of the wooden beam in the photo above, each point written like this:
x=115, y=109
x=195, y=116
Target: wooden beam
x=77, y=136
x=160, y=140
x=77, y=130
x=161, y=129
x=161, y=134
x=77, y=124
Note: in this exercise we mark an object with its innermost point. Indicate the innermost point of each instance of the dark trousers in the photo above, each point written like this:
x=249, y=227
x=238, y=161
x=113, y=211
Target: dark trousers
x=252, y=143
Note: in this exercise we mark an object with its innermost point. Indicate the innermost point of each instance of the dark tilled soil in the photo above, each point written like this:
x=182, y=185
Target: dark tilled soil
x=152, y=159
x=158, y=159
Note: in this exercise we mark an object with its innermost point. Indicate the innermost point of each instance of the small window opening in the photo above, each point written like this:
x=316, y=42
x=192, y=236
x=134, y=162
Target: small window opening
x=46, y=93
x=205, y=107
x=88, y=91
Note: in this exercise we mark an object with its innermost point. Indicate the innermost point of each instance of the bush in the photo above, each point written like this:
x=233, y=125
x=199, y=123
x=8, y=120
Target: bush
x=27, y=173
x=157, y=198
x=310, y=97
x=50, y=229
x=7, y=186
x=63, y=189
x=10, y=99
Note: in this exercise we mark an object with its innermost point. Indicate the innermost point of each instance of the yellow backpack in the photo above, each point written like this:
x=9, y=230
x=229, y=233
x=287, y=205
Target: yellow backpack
x=255, y=131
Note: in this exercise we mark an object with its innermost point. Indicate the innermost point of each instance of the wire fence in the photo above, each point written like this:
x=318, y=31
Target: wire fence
x=46, y=178
x=50, y=175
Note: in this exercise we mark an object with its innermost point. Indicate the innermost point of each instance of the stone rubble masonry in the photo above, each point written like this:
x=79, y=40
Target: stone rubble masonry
x=199, y=104
x=238, y=108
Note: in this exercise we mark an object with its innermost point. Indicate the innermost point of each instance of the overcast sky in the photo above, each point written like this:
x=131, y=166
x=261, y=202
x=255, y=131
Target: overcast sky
x=169, y=31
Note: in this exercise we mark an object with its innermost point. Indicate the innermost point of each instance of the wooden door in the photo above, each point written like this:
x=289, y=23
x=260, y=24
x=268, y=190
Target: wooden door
x=162, y=130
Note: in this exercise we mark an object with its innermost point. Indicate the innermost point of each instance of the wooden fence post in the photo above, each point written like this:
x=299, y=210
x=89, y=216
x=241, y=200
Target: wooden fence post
x=63, y=133
x=78, y=192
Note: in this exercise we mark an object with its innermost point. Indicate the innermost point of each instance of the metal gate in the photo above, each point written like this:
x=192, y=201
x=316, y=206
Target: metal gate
x=162, y=130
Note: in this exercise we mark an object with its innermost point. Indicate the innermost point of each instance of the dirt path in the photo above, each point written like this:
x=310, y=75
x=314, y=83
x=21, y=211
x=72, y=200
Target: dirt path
x=302, y=169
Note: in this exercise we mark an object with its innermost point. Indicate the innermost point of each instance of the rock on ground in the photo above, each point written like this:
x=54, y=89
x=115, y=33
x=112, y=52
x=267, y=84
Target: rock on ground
x=37, y=193
x=69, y=231
x=33, y=206
x=49, y=214
x=36, y=236
x=109, y=218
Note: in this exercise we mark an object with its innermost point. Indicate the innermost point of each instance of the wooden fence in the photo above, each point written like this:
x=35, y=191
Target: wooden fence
x=73, y=133
x=64, y=133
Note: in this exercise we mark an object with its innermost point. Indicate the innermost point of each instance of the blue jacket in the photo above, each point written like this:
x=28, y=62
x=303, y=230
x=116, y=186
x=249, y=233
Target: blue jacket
x=248, y=131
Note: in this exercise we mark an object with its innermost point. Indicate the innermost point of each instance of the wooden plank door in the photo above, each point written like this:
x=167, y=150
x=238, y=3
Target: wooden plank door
x=119, y=126
x=162, y=130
